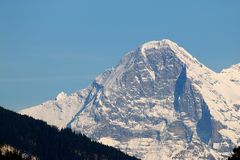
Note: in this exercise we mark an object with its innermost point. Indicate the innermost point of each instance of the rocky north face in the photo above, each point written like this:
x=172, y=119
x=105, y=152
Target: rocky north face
x=159, y=102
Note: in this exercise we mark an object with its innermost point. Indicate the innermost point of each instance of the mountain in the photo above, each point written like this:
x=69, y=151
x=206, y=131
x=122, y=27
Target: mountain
x=159, y=102
x=27, y=137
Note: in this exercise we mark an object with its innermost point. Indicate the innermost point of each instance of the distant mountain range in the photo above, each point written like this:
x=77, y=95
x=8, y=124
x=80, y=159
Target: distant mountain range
x=28, y=138
x=159, y=102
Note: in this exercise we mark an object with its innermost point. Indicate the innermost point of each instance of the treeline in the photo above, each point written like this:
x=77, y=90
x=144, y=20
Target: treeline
x=236, y=154
x=47, y=142
x=10, y=156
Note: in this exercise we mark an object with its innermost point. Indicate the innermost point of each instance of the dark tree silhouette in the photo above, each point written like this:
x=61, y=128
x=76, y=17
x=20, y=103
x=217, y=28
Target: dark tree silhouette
x=10, y=156
x=47, y=142
x=236, y=154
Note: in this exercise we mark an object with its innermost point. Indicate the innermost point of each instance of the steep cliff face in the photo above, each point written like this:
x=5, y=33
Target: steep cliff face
x=158, y=102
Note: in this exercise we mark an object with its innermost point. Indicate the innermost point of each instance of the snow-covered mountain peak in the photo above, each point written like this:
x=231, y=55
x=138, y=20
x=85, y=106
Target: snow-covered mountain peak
x=61, y=96
x=232, y=74
x=145, y=62
x=166, y=44
x=158, y=101
x=159, y=44
x=234, y=68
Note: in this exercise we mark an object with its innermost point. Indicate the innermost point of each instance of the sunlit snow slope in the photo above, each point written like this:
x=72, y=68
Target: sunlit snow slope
x=159, y=102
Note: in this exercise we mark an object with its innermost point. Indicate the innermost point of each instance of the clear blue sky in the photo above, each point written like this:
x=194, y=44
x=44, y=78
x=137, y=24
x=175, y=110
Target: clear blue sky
x=50, y=46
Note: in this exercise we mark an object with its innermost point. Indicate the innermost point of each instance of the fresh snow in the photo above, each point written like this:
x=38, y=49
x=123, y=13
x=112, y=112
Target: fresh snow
x=124, y=101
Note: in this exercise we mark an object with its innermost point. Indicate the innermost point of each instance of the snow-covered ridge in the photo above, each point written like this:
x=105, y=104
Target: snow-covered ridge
x=159, y=44
x=232, y=74
x=58, y=112
x=158, y=101
x=232, y=71
x=61, y=96
x=166, y=43
x=235, y=67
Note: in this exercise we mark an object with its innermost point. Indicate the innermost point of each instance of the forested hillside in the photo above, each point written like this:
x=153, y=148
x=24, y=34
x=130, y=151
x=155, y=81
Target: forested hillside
x=47, y=142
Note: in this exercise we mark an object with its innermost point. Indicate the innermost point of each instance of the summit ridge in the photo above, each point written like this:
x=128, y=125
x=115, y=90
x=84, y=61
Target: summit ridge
x=158, y=102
